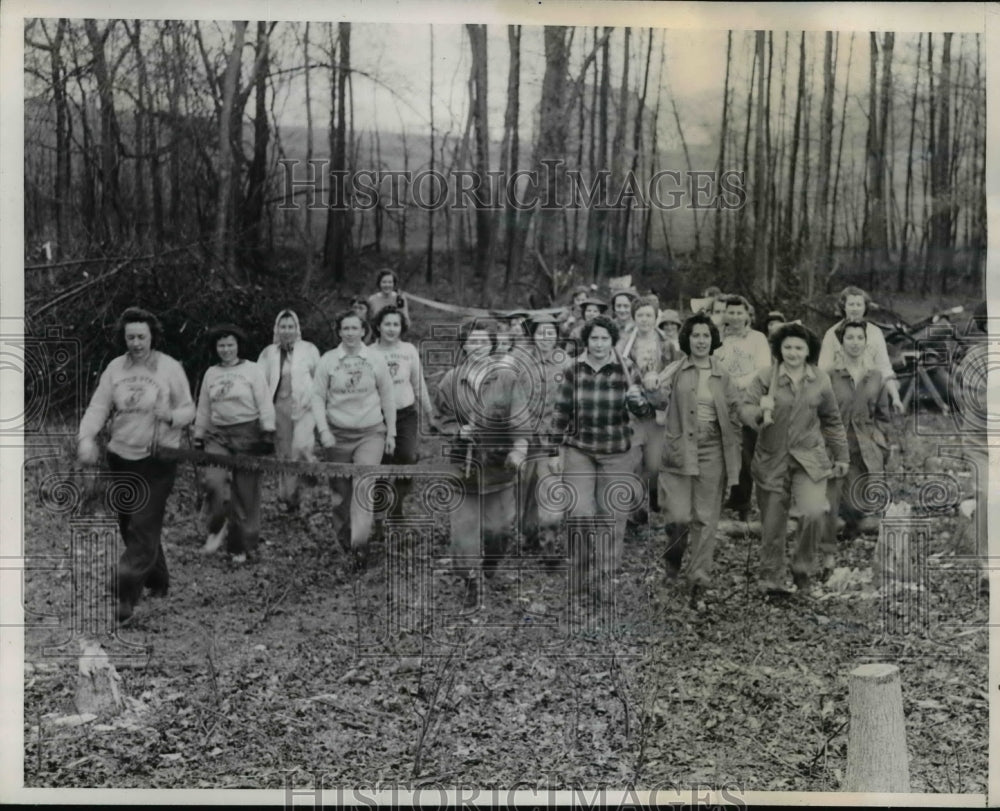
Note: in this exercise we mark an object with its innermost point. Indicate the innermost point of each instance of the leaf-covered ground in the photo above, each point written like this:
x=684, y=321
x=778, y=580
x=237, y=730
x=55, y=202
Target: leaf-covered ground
x=266, y=675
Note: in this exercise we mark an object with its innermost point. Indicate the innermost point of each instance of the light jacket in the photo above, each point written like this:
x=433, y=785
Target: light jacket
x=678, y=394
x=805, y=424
x=129, y=392
x=831, y=353
x=864, y=408
x=353, y=392
x=303, y=357
x=743, y=353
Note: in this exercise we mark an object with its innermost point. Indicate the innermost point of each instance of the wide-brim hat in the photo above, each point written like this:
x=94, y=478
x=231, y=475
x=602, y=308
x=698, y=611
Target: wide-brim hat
x=544, y=318
x=668, y=317
x=631, y=292
x=596, y=301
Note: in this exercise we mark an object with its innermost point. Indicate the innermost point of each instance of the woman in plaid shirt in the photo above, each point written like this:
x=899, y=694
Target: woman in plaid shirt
x=592, y=427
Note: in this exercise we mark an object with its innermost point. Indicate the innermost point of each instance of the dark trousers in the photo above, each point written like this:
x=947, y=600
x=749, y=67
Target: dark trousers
x=242, y=506
x=143, y=562
x=407, y=426
x=739, y=495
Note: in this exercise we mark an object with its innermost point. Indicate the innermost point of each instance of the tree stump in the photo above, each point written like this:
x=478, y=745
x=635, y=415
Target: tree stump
x=98, y=687
x=877, y=759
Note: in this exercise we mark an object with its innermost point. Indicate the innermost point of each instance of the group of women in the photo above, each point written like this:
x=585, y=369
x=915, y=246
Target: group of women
x=533, y=409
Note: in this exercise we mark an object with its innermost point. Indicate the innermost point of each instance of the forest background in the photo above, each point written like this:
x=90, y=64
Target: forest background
x=165, y=162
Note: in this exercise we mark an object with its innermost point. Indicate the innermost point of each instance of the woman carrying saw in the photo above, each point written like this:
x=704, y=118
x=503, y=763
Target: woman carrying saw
x=354, y=406
x=145, y=394
x=483, y=406
x=235, y=416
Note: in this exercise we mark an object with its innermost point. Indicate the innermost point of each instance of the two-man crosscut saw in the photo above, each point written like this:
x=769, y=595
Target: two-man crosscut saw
x=271, y=464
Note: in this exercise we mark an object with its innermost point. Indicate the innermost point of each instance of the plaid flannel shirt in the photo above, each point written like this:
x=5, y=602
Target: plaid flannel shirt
x=591, y=411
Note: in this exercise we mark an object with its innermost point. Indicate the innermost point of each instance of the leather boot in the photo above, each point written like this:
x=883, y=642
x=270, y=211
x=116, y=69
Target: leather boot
x=676, y=537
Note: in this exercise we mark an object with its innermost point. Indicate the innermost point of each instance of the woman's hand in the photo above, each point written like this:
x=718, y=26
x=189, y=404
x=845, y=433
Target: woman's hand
x=162, y=412
x=466, y=432
x=326, y=439
x=840, y=469
x=390, y=445
x=767, y=403
x=86, y=451
x=651, y=381
x=556, y=465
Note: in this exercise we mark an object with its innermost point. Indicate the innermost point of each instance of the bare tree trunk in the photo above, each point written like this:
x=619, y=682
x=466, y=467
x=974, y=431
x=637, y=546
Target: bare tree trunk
x=617, y=161
x=429, y=272
x=174, y=102
x=885, y=110
x=929, y=150
x=636, y=143
x=511, y=142
x=941, y=203
x=654, y=157
x=551, y=146
x=840, y=146
x=110, y=219
x=741, y=218
x=62, y=185
x=760, y=172
x=222, y=249
x=480, y=117
x=252, y=236
x=338, y=228
x=598, y=217
x=908, y=193
x=786, y=238
x=309, y=246
x=818, y=260
x=720, y=166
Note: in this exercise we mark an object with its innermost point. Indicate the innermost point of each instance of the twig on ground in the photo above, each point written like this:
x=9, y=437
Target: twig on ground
x=444, y=681
x=270, y=608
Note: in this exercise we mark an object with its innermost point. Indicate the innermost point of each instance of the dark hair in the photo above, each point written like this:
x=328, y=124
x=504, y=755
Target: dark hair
x=533, y=325
x=339, y=320
x=469, y=325
x=851, y=290
x=629, y=296
x=842, y=329
x=684, y=336
x=795, y=331
x=712, y=291
x=774, y=315
x=381, y=274
x=599, y=321
x=220, y=331
x=361, y=300
x=376, y=322
x=136, y=315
